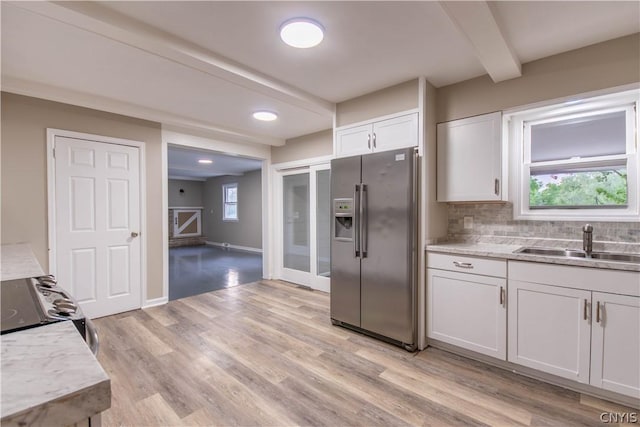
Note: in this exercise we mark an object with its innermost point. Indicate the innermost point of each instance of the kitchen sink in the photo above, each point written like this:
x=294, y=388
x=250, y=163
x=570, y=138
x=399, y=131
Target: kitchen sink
x=552, y=252
x=634, y=258
x=568, y=253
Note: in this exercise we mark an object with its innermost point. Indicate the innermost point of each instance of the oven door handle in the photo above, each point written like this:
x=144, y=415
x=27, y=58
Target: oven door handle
x=92, y=336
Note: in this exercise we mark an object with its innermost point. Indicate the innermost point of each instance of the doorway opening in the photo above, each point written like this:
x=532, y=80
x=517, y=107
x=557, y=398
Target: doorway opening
x=215, y=220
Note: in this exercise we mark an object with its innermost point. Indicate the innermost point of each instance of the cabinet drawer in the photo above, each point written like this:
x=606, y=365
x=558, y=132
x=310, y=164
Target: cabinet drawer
x=467, y=264
x=592, y=279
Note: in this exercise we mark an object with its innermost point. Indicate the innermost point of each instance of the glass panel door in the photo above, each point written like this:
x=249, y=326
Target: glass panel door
x=306, y=226
x=323, y=222
x=296, y=222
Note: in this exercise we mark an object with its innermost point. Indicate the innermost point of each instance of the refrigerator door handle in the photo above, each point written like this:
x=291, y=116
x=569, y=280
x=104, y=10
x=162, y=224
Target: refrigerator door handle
x=356, y=222
x=363, y=221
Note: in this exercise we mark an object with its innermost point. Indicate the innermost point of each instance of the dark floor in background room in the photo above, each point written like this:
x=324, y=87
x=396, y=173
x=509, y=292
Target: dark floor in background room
x=197, y=269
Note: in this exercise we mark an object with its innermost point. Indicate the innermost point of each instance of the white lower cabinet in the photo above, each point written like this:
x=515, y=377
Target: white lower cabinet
x=549, y=329
x=465, y=309
x=615, y=343
x=567, y=327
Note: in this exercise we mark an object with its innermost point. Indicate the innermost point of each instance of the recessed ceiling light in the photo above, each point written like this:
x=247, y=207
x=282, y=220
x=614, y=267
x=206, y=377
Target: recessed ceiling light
x=265, y=116
x=205, y=161
x=301, y=33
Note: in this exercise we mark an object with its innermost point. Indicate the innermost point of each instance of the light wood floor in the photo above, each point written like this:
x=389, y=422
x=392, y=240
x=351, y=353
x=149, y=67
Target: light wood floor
x=266, y=354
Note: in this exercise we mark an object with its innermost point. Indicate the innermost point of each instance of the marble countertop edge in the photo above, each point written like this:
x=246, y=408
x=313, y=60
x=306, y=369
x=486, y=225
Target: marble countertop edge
x=67, y=410
x=49, y=376
x=507, y=251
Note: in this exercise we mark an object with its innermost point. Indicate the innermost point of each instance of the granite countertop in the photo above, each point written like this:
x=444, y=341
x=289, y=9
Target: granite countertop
x=17, y=261
x=506, y=251
x=49, y=375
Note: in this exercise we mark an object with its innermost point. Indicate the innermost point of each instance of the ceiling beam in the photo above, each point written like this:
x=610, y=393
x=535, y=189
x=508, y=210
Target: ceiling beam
x=68, y=96
x=476, y=21
x=90, y=16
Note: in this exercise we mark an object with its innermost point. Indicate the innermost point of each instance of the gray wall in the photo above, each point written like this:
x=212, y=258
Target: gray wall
x=247, y=231
x=317, y=144
x=394, y=99
x=24, y=171
x=603, y=65
x=192, y=196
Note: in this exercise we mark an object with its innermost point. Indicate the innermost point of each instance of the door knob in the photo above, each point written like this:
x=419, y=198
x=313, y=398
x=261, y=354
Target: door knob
x=134, y=234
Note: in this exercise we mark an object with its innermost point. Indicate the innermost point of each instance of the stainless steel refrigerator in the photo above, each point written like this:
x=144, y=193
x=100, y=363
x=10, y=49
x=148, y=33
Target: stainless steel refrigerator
x=373, y=245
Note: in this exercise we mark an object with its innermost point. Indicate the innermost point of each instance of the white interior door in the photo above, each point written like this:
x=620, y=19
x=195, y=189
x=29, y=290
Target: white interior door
x=305, y=227
x=97, y=243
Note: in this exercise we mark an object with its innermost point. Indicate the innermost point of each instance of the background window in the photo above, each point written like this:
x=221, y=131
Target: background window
x=230, y=202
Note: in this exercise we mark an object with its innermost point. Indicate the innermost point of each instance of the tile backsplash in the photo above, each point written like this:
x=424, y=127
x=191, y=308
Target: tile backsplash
x=496, y=221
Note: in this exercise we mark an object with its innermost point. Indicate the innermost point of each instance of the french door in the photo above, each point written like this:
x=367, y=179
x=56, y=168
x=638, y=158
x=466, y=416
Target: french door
x=304, y=226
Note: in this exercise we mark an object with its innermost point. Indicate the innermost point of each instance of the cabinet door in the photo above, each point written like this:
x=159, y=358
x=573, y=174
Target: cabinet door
x=399, y=132
x=353, y=141
x=467, y=310
x=470, y=159
x=549, y=329
x=615, y=344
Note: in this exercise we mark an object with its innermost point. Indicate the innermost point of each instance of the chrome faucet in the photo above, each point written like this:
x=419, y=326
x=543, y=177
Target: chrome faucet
x=587, y=239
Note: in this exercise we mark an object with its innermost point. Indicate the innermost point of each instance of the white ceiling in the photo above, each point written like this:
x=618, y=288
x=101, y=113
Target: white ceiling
x=183, y=164
x=208, y=65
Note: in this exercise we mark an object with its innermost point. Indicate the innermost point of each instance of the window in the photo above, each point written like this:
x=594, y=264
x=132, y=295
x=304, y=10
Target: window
x=576, y=161
x=230, y=202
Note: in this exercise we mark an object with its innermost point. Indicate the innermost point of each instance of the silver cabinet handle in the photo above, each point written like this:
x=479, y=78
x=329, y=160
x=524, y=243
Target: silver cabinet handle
x=134, y=234
x=598, y=316
x=462, y=264
x=584, y=311
x=369, y=141
x=374, y=140
x=496, y=185
x=502, y=295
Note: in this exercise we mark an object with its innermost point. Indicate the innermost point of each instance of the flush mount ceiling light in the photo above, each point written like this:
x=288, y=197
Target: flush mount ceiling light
x=205, y=161
x=265, y=116
x=301, y=33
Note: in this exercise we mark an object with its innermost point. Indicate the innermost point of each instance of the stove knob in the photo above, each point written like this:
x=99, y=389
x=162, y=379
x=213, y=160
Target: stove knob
x=65, y=306
x=66, y=311
x=47, y=283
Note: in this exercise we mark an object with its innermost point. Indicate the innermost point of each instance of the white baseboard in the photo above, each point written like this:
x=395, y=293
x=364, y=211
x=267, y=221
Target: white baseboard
x=230, y=246
x=154, y=302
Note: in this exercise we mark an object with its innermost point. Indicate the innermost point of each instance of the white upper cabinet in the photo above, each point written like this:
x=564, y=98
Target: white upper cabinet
x=353, y=141
x=377, y=135
x=470, y=159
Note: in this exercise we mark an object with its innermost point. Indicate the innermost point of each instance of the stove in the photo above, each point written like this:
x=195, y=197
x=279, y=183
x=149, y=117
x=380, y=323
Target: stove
x=32, y=302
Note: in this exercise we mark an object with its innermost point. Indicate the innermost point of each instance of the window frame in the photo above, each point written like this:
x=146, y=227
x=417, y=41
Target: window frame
x=225, y=202
x=515, y=125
